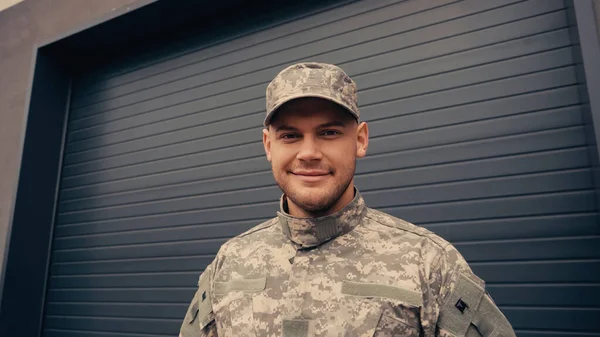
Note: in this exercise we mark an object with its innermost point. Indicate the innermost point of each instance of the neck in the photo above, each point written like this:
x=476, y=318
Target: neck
x=345, y=199
x=308, y=232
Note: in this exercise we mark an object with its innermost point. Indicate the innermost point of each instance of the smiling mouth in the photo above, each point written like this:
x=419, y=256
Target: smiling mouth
x=311, y=176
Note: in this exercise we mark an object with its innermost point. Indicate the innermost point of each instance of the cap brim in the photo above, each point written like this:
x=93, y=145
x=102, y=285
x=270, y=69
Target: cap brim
x=307, y=95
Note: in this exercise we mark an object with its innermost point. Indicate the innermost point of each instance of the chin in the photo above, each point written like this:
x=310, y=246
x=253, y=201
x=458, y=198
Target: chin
x=314, y=203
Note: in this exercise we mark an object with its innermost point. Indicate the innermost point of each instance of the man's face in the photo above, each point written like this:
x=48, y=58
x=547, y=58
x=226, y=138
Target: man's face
x=312, y=145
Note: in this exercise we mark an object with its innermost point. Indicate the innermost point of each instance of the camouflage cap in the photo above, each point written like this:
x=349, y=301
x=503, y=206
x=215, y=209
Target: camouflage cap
x=312, y=79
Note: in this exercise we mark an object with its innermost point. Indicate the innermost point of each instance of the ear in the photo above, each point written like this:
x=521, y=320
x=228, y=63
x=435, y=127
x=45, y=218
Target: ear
x=267, y=143
x=362, y=139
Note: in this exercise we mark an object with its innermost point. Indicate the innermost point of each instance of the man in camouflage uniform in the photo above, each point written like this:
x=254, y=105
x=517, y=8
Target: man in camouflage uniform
x=327, y=265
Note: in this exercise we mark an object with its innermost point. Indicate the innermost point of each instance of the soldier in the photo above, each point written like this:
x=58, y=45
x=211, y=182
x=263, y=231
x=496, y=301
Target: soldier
x=326, y=264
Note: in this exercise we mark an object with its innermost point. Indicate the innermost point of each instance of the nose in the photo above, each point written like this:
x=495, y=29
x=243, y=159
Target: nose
x=309, y=150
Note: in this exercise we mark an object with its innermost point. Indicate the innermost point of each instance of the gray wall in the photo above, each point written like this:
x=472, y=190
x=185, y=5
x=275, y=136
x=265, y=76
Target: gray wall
x=23, y=26
x=597, y=8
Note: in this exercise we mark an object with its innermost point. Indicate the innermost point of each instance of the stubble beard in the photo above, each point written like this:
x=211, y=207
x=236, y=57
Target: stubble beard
x=328, y=198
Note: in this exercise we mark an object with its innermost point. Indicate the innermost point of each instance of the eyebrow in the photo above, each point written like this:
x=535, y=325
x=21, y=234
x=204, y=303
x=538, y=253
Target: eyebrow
x=324, y=125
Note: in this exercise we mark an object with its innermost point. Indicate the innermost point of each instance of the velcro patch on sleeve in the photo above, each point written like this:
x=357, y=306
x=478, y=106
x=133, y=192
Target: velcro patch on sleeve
x=490, y=321
x=204, y=300
x=461, y=306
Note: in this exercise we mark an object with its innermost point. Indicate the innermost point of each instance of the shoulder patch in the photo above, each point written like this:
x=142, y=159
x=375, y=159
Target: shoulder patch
x=461, y=305
x=468, y=308
x=394, y=222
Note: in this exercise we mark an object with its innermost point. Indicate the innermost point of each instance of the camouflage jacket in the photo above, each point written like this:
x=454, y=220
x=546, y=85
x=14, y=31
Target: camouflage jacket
x=358, y=272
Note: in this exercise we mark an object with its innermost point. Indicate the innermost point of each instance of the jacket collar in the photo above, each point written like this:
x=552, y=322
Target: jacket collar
x=311, y=232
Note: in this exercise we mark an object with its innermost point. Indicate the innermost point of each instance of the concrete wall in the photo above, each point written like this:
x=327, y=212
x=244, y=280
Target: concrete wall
x=23, y=26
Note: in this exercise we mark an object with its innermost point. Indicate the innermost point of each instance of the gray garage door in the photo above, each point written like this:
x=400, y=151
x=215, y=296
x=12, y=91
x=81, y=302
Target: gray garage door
x=477, y=134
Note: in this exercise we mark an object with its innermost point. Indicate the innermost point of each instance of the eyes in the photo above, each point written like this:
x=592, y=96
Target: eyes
x=327, y=134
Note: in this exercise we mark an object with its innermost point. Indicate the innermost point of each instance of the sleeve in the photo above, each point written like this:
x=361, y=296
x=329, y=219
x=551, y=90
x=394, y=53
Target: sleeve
x=465, y=307
x=199, y=320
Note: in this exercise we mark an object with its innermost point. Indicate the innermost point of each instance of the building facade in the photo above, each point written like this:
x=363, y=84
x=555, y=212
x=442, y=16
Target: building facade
x=132, y=142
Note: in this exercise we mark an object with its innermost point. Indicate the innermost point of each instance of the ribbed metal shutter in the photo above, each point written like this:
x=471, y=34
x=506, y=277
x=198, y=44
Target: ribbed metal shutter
x=477, y=133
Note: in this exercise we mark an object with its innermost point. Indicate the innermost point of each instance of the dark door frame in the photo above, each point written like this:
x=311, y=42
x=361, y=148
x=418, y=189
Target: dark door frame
x=23, y=281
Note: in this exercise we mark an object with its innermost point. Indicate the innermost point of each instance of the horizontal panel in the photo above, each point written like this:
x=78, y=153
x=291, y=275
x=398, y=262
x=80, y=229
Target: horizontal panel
x=223, y=134
x=470, y=94
x=519, y=318
x=543, y=161
x=371, y=24
x=465, y=77
x=412, y=66
x=178, y=264
x=166, y=145
x=501, y=146
x=478, y=93
x=546, y=295
x=539, y=271
x=208, y=231
x=133, y=295
x=234, y=198
x=566, y=320
x=481, y=189
x=413, y=37
x=576, y=202
x=86, y=333
x=164, y=279
x=510, y=145
x=537, y=249
x=546, y=333
x=203, y=159
x=563, y=117
x=532, y=227
x=153, y=250
x=212, y=172
x=532, y=249
x=534, y=184
x=123, y=310
x=496, y=52
x=472, y=112
x=513, y=228
x=470, y=76
x=498, y=207
x=150, y=326
x=157, y=146
x=462, y=51
x=232, y=183
x=476, y=132
x=222, y=215
x=287, y=34
x=392, y=196
x=427, y=21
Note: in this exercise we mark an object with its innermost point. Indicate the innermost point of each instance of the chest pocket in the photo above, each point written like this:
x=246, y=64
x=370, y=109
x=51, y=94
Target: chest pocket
x=234, y=305
x=400, y=308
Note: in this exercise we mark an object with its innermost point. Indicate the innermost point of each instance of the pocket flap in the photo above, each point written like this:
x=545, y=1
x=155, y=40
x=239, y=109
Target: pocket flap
x=407, y=296
x=245, y=285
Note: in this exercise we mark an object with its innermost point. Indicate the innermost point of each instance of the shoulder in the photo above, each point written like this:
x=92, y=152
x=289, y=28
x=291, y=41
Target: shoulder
x=378, y=220
x=258, y=229
x=259, y=233
x=439, y=254
x=435, y=251
x=237, y=245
